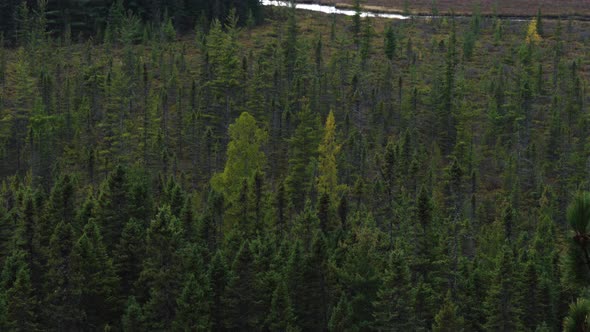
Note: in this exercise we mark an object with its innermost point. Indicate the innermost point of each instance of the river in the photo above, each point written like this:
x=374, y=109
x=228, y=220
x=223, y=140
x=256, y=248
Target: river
x=331, y=9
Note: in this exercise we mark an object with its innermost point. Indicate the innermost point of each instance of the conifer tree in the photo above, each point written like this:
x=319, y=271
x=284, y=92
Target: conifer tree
x=132, y=320
x=128, y=255
x=390, y=43
x=448, y=319
x=21, y=303
x=22, y=85
x=393, y=308
x=193, y=311
x=577, y=318
x=311, y=308
x=98, y=280
x=62, y=305
x=502, y=302
x=60, y=207
x=281, y=316
x=290, y=48
x=218, y=276
x=303, y=148
x=113, y=206
x=240, y=294
x=161, y=274
x=328, y=152
x=341, y=318
x=244, y=156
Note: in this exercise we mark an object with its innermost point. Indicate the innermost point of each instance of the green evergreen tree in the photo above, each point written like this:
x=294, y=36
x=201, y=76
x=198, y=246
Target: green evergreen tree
x=502, y=302
x=342, y=318
x=129, y=254
x=21, y=303
x=98, y=280
x=392, y=310
x=193, y=312
x=113, y=206
x=240, y=294
x=132, y=320
x=218, y=276
x=281, y=316
x=390, y=43
x=448, y=319
x=577, y=318
x=62, y=304
x=303, y=149
x=161, y=274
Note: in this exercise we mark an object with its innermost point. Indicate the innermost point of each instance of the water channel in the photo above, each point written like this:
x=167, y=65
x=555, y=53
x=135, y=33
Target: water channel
x=332, y=9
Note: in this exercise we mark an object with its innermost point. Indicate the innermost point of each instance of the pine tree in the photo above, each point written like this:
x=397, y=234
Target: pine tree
x=60, y=207
x=161, y=274
x=193, y=311
x=303, y=148
x=341, y=318
x=22, y=86
x=224, y=63
x=578, y=217
x=448, y=319
x=281, y=316
x=359, y=268
x=356, y=22
x=390, y=43
x=311, y=307
x=98, y=280
x=392, y=310
x=240, y=294
x=290, y=49
x=577, y=318
x=132, y=320
x=113, y=206
x=502, y=302
x=531, y=297
x=129, y=254
x=62, y=305
x=21, y=303
x=218, y=276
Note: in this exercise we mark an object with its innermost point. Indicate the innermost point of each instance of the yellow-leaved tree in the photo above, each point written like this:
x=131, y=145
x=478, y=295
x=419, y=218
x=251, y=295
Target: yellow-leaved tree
x=244, y=159
x=328, y=169
x=532, y=35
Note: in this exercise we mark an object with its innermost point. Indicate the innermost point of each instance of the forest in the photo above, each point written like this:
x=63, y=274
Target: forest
x=224, y=166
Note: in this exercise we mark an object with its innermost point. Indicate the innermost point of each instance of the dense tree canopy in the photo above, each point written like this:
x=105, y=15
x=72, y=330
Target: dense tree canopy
x=197, y=165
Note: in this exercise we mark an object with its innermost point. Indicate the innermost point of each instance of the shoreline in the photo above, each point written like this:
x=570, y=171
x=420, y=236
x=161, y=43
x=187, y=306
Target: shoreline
x=442, y=12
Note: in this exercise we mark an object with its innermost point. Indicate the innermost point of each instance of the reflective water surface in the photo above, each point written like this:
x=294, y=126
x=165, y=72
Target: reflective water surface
x=331, y=9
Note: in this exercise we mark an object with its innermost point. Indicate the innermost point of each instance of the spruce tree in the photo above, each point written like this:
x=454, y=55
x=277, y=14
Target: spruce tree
x=161, y=274
x=240, y=293
x=218, y=279
x=341, y=318
x=303, y=149
x=281, y=316
x=63, y=282
x=502, y=302
x=392, y=311
x=113, y=206
x=129, y=254
x=98, y=281
x=448, y=318
x=193, y=311
x=21, y=303
x=132, y=320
